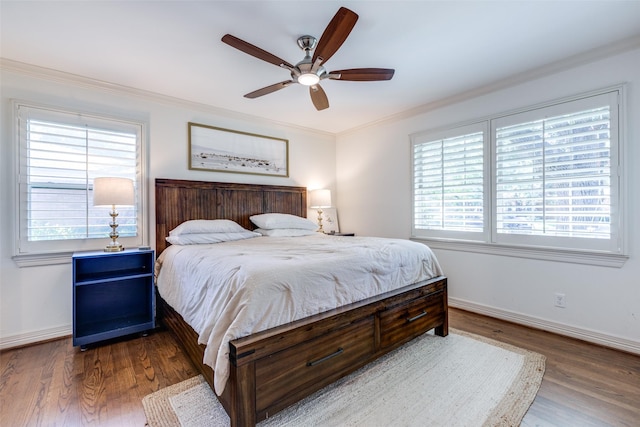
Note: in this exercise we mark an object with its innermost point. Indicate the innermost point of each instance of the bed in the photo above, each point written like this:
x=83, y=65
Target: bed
x=271, y=369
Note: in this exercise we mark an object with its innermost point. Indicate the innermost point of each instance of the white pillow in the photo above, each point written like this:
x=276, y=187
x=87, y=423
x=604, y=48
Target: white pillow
x=285, y=232
x=200, y=226
x=271, y=221
x=203, y=238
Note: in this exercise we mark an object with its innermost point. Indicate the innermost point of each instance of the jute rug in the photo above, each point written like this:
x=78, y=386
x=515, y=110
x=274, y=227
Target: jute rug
x=460, y=380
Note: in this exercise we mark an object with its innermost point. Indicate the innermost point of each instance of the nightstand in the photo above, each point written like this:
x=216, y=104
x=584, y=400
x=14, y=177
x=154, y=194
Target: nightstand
x=113, y=294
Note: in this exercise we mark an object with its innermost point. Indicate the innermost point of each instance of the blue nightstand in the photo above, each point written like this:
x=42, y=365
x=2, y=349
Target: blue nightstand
x=113, y=294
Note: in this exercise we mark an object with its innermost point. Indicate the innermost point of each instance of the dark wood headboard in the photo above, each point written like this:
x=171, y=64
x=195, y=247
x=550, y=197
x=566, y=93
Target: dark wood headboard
x=180, y=200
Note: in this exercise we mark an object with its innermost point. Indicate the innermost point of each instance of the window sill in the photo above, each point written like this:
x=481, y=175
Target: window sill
x=545, y=254
x=38, y=260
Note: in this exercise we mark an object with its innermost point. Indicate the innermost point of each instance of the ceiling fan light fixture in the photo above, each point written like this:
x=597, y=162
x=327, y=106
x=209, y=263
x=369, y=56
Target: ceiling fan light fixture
x=308, y=79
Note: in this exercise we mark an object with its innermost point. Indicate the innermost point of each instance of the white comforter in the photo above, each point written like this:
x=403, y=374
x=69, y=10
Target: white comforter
x=229, y=290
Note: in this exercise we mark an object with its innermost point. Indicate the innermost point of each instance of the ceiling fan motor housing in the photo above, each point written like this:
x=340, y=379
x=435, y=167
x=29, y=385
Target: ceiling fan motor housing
x=304, y=72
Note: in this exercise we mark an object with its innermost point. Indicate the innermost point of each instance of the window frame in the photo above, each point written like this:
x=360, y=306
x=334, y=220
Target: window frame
x=48, y=252
x=612, y=245
x=615, y=256
x=442, y=134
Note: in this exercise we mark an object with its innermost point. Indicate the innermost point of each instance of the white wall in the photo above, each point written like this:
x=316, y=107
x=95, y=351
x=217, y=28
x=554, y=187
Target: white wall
x=35, y=302
x=369, y=173
x=374, y=198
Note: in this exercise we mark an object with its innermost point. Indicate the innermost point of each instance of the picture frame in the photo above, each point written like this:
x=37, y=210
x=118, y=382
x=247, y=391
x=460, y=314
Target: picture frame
x=218, y=149
x=329, y=219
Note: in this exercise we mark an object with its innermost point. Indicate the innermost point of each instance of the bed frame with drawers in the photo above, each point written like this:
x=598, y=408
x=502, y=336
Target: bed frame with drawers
x=273, y=369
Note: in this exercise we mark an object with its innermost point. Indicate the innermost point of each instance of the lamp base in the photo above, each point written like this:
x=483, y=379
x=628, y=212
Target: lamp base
x=117, y=247
x=320, y=230
x=114, y=246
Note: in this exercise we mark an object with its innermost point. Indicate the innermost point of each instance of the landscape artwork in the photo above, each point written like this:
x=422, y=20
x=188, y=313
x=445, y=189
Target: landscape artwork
x=224, y=150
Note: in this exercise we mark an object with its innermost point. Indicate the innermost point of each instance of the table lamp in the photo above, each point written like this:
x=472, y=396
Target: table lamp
x=320, y=199
x=111, y=191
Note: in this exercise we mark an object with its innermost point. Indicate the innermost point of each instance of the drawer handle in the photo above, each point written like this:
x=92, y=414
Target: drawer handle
x=324, y=359
x=411, y=319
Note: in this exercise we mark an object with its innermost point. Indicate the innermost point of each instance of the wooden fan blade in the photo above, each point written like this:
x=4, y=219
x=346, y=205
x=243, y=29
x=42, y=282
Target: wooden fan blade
x=318, y=97
x=269, y=89
x=363, y=74
x=335, y=34
x=254, y=51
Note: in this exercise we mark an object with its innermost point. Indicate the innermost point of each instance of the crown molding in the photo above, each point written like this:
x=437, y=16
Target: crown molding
x=593, y=55
x=589, y=56
x=63, y=77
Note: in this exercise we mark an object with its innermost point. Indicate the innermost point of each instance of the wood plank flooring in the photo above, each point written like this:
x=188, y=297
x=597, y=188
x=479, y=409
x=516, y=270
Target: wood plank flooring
x=55, y=384
x=584, y=385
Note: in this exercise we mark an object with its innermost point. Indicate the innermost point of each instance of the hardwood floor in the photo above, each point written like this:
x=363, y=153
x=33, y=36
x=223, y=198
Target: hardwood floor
x=583, y=385
x=55, y=384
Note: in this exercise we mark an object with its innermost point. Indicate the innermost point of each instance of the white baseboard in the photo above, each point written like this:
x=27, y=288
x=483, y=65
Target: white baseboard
x=546, y=325
x=533, y=322
x=35, y=337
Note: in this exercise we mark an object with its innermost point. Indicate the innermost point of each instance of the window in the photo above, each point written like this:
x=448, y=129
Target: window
x=551, y=179
x=448, y=178
x=60, y=153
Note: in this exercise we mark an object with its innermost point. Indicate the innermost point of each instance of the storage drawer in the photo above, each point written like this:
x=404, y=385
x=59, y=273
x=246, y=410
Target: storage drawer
x=413, y=318
x=311, y=365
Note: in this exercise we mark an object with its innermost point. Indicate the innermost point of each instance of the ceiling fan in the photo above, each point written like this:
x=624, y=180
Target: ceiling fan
x=310, y=71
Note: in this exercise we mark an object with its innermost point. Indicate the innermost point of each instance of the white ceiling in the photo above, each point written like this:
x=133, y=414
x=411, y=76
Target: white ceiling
x=439, y=49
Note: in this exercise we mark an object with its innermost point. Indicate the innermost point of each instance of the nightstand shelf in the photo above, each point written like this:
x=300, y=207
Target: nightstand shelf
x=113, y=295
x=103, y=330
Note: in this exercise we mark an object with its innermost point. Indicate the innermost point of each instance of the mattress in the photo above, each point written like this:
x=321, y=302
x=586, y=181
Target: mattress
x=233, y=289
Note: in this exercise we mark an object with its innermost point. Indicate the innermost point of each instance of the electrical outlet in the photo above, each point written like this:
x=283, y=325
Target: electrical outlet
x=560, y=300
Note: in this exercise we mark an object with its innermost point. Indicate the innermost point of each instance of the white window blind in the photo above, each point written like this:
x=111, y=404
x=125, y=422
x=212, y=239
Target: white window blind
x=60, y=155
x=544, y=179
x=448, y=182
x=556, y=175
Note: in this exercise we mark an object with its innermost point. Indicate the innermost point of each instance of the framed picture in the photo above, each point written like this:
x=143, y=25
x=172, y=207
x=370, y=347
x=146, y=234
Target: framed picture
x=329, y=219
x=224, y=150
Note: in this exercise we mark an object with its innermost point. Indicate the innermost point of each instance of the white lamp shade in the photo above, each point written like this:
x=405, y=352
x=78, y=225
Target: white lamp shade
x=320, y=199
x=113, y=191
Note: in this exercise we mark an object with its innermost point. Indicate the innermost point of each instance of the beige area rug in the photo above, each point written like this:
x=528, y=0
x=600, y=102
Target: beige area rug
x=460, y=380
